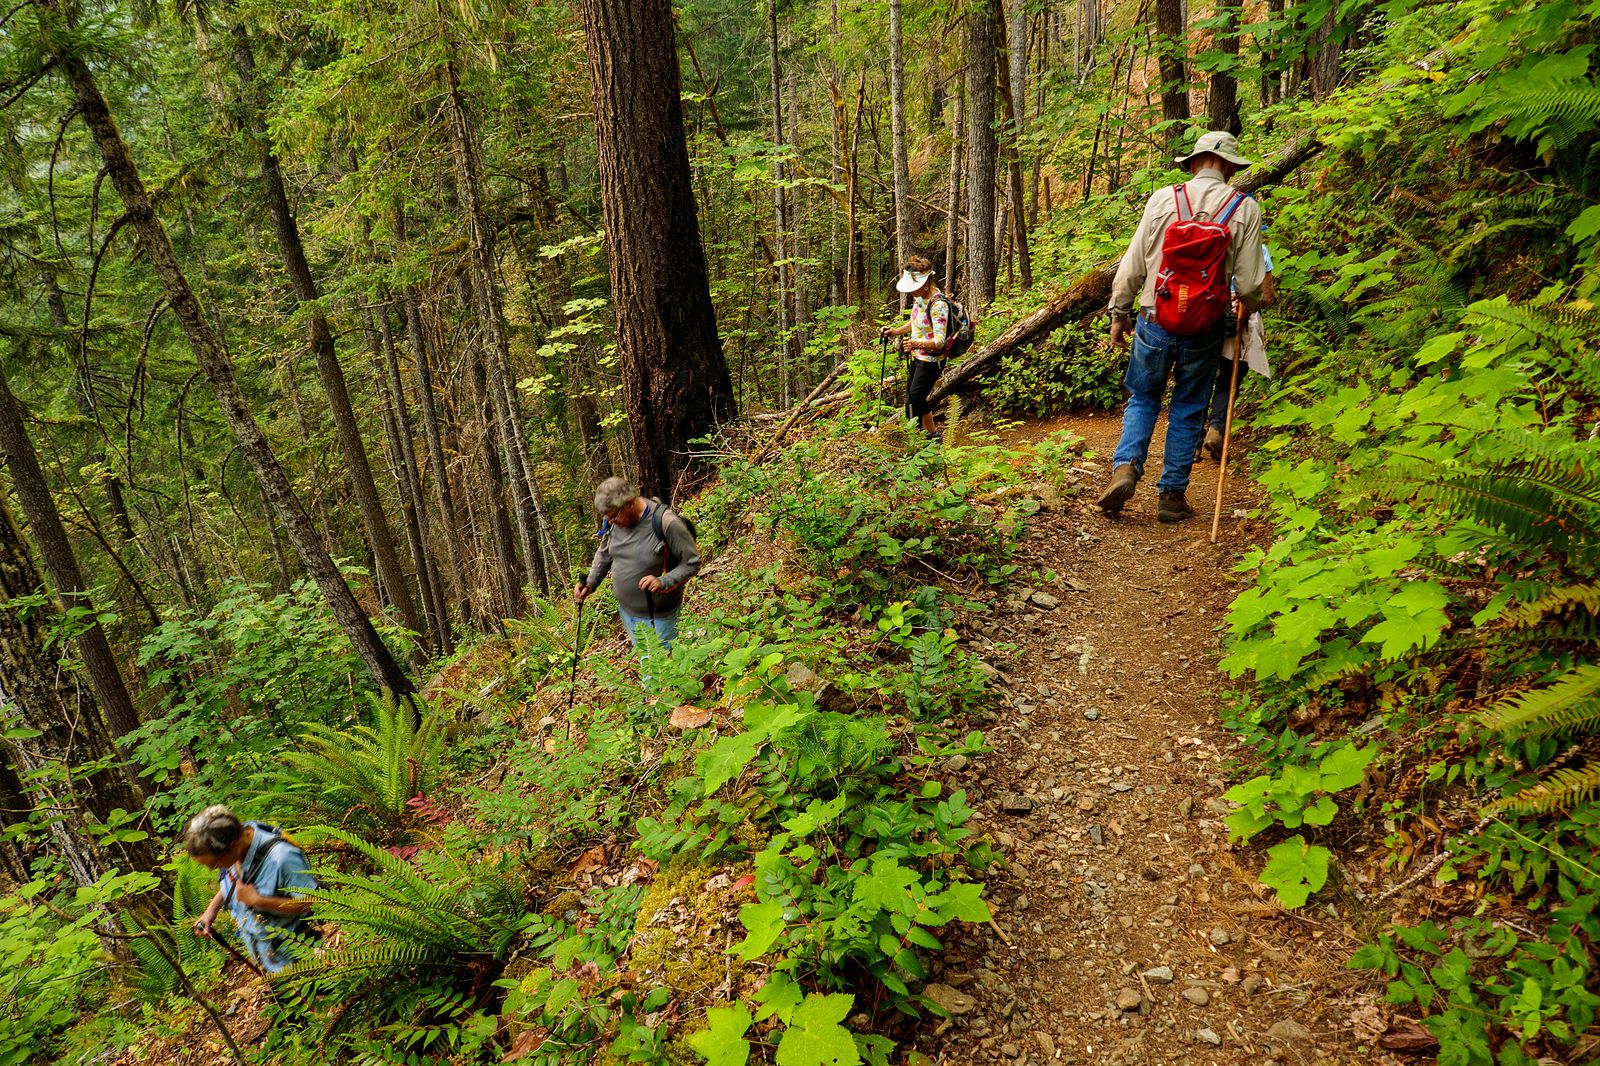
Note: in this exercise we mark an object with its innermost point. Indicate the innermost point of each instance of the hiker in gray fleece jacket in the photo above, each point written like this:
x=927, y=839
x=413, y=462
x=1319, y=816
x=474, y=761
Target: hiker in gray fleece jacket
x=648, y=571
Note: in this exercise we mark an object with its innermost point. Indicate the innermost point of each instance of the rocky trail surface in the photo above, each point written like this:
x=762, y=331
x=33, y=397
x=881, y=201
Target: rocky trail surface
x=1126, y=929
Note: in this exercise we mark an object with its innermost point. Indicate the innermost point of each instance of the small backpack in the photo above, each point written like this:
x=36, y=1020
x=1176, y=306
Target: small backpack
x=1192, y=282
x=657, y=519
x=958, y=330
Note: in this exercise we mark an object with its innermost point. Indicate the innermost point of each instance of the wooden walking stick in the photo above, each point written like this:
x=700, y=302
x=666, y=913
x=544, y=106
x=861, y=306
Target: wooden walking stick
x=1227, y=429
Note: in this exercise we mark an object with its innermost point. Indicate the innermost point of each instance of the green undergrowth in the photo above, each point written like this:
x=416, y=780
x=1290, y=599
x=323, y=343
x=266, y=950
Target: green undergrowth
x=1422, y=627
x=741, y=849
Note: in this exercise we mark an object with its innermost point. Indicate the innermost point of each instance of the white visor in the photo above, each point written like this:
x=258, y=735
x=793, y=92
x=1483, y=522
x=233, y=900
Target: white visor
x=910, y=282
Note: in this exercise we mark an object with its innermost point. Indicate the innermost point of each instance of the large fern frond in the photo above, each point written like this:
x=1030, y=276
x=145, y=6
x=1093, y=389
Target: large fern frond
x=1584, y=597
x=1561, y=791
x=1570, y=702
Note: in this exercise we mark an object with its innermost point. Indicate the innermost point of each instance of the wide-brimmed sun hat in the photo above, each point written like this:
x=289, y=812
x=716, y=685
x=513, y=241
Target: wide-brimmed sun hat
x=1219, y=143
x=910, y=281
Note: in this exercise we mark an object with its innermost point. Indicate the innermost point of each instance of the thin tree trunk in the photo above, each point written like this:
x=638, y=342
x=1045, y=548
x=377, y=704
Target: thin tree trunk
x=981, y=202
x=836, y=161
x=1222, y=109
x=1271, y=79
x=675, y=377
x=1172, y=44
x=953, y=213
x=218, y=369
x=37, y=692
x=15, y=806
x=330, y=374
x=443, y=497
x=780, y=225
x=531, y=519
x=1012, y=102
x=797, y=250
x=902, y=168
x=508, y=569
x=110, y=691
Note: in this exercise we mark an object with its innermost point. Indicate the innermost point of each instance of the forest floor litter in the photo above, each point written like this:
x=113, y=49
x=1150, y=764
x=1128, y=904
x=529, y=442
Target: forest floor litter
x=1126, y=930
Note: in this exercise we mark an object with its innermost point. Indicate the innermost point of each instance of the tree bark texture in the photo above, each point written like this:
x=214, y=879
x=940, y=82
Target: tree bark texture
x=216, y=366
x=61, y=563
x=675, y=379
x=1012, y=103
x=780, y=219
x=1172, y=43
x=981, y=201
x=347, y=431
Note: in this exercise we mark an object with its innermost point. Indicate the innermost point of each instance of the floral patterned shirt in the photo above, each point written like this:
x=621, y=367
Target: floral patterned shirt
x=930, y=320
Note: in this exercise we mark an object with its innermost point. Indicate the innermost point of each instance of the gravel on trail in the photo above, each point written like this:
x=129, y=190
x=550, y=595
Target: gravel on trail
x=1126, y=929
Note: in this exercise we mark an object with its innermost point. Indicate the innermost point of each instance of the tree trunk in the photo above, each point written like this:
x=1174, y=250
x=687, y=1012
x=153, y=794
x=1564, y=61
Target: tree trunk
x=902, y=169
x=347, y=431
x=1012, y=101
x=953, y=212
x=780, y=222
x=675, y=378
x=37, y=692
x=1222, y=109
x=218, y=369
x=110, y=691
x=444, y=499
x=1172, y=42
x=15, y=806
x=507, y=569
x=981, y=201
x=1271, y=78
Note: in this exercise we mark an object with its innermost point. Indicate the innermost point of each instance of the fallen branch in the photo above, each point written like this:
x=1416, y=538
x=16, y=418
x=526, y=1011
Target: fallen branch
x=799, y=409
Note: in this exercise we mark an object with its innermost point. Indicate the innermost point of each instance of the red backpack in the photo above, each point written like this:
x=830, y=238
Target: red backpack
x=1192, y=283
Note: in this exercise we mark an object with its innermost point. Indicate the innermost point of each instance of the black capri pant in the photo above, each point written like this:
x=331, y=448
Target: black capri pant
x=919, y=382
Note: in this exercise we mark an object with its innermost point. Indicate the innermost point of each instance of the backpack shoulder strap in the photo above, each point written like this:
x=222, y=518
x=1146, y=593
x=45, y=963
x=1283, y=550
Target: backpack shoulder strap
x=1180, y=197
x=1233, y=205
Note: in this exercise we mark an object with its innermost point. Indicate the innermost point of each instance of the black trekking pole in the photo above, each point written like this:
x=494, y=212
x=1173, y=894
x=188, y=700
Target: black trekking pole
x=883, y=371
x=577, y=642
x=230, y=949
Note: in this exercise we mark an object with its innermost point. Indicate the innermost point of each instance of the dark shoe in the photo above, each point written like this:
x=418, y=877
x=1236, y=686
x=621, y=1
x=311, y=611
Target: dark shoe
x=1213, y=443
x=1123, y=481
x=1172, y=507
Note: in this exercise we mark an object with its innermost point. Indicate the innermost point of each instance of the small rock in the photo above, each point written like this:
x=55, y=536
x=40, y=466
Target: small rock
x=1022, y=903
x=1047, y=1044
x=1010, y=1051
x=950, y=1000
x=955, y=764
x=1252, y=984
x=1092, y=715
x=1121, y=786
x=1220, y=937
x=1096, y=834
x=1016, y=803
x=989, y=672
x=1230, y=976
x=1186, y=807
x=1206, y=1036
x=1129, y=999
x=1197, y=995
x=1056, y=954
x=1074, y=584
x=1288, y=1030
x=1159, y=975
x=1045, y=601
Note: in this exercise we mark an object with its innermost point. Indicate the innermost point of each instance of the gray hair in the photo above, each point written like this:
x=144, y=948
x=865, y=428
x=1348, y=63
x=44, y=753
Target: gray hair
x=212, y=831
x=613, y=493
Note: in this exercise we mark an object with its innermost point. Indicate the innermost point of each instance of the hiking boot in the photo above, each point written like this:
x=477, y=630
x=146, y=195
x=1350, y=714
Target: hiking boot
x=1123, y=481
x=1213, y=443
x=1172, y=507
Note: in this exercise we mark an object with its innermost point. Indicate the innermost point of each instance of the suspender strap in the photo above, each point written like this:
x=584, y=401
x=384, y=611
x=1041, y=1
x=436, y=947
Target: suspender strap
x=1180, y=197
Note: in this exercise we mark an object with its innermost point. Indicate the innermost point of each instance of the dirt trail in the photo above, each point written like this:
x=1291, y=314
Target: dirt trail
x=1128, y=932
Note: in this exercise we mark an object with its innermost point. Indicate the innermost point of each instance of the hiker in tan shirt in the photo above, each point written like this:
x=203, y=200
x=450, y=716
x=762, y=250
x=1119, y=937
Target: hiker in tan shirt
x=1188, y=361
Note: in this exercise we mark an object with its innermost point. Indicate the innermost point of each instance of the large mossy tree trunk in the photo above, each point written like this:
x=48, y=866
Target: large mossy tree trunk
x=676, y=386
x=210, y=355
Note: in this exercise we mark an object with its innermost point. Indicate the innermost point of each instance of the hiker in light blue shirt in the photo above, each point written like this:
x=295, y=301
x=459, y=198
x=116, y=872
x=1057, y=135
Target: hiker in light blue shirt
x=263, y=875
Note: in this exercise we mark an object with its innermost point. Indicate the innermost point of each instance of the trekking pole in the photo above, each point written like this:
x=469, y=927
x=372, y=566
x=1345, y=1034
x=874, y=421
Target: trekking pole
x=231, y=950
x=577, y=642
x=1227, y=431
x=883, y=371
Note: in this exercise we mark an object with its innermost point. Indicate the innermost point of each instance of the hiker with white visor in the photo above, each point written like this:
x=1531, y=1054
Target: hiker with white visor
x=923, y=337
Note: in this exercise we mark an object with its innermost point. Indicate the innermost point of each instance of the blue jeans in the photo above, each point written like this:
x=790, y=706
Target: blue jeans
x=665, y=625
x=1191, y=363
